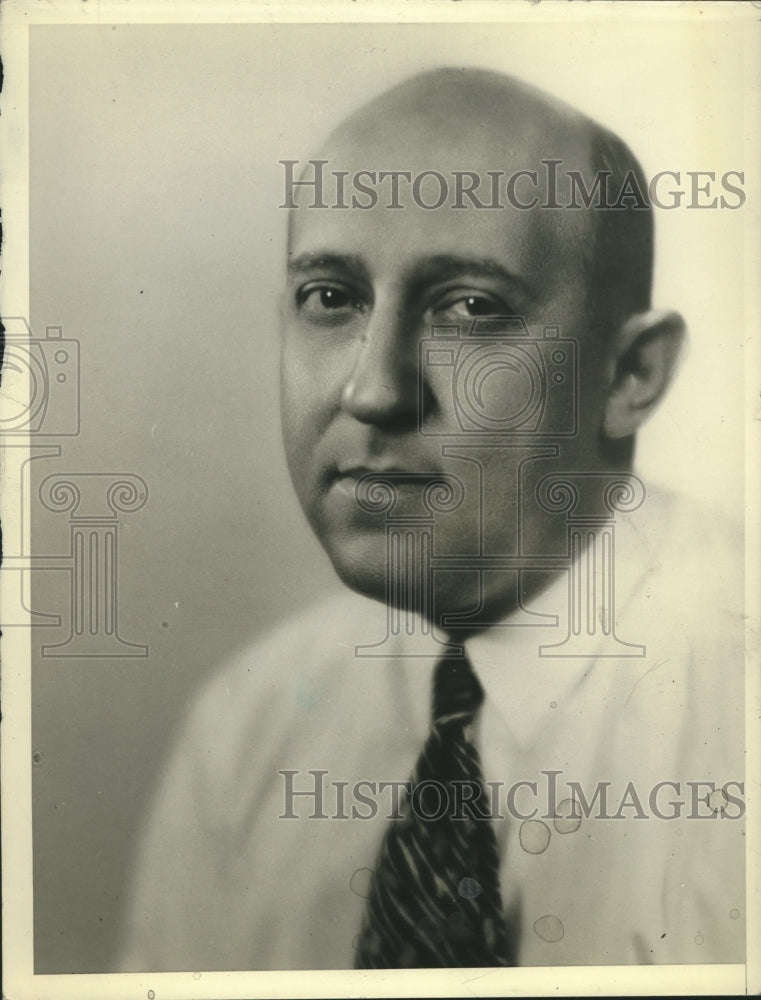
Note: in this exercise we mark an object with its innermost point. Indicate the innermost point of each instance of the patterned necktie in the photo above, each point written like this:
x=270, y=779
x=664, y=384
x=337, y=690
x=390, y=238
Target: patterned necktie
x=435, y=900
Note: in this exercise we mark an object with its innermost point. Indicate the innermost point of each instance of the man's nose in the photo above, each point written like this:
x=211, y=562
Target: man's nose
x=382, y=387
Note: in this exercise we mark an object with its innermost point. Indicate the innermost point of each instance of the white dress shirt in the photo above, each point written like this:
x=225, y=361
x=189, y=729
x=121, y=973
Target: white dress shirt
x=653, y=873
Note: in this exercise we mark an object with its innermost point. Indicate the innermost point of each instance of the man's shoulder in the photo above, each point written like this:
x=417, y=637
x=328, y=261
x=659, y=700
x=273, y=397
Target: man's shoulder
x=687, y=600
x=321, y=631
x=688, y=514
x=679, y=569
x=302, y=653
x=681, y=538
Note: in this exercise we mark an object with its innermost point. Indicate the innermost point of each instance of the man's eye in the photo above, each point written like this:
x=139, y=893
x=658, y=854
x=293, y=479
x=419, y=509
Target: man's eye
x=328, y=304
x=471, y=306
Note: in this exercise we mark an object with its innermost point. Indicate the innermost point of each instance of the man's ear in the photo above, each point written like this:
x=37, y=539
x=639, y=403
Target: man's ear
x=647, y=350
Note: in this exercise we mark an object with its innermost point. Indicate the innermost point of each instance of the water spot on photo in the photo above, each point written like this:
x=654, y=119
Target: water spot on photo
x=469, y=888
x=567, y=816
x=734, y=914
x=361, y=881
x=717, y=800
x=309, y=696
x=699, y=939
x=534, y=836
x=549, y=928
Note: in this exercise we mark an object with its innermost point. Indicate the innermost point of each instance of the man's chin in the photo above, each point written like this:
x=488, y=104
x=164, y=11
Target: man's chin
x=366, y=580
x=363, y=569
x=458, y=606
x=361, y=564
x=359, y=560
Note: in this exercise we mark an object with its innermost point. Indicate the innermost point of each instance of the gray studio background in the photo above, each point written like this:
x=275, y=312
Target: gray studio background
x=157, y=243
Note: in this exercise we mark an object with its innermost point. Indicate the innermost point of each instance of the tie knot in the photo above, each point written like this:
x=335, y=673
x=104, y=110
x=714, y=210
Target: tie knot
x=457, y=692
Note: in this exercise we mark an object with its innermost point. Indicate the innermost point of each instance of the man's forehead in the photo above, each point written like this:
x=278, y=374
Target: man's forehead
x=520, y=240
x=535, y=246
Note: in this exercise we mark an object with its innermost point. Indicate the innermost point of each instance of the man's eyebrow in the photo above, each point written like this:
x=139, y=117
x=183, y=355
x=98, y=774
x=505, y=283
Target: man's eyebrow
x=437, y=267
x=311, y=261
x=442, y=266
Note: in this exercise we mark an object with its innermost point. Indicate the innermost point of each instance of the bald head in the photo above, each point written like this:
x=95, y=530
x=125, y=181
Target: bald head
x=468, y=106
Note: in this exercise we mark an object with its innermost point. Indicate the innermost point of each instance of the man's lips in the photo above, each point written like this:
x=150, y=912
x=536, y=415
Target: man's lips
x=395, y=473
x=374, y=470
x=405, y=479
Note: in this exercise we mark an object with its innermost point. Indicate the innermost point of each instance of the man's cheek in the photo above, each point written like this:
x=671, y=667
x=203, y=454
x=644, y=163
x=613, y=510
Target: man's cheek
x=297, y=448
x=298, y=408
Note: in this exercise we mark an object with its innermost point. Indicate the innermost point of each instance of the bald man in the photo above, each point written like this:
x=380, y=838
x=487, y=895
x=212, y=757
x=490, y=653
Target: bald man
x=454, y=369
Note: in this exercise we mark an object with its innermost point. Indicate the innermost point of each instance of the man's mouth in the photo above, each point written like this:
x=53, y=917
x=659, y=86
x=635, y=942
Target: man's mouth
x=392, y=473
x=362, y=483
x=357, y=471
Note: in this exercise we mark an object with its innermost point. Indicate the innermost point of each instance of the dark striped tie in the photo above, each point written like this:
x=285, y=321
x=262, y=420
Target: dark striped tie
x=434, y=899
